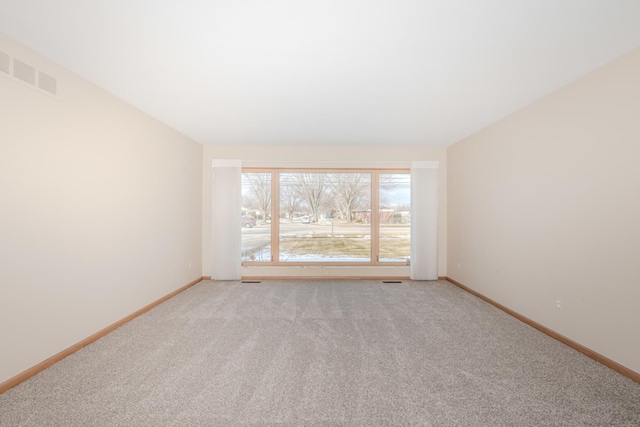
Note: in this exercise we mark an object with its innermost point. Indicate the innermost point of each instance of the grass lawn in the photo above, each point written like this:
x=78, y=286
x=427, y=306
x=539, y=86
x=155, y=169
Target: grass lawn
x=357, y=246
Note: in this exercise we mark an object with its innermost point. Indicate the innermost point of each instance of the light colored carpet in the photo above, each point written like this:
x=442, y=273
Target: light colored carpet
x=356, y=353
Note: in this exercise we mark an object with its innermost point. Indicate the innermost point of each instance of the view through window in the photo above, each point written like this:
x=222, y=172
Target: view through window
x=353, y=216
x=256, y=217
x=395, y=217
x=325, y=217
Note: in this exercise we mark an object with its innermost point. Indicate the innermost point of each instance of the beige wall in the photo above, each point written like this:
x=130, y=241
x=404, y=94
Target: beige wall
x=324, y=157
x=101, y=212
x=545, y=204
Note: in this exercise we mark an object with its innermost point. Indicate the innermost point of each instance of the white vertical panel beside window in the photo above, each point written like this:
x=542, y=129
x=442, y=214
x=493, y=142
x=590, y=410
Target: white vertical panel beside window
x=424, y=223
x=227, y=206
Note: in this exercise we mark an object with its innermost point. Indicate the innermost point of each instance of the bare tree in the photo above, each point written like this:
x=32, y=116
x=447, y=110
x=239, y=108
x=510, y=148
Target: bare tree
x=350, y=189
x=289, y=198
x=312, y=187
x=249, y=201
x=260, y=185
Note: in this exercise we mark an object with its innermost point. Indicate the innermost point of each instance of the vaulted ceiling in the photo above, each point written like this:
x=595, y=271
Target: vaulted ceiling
x=330, y=72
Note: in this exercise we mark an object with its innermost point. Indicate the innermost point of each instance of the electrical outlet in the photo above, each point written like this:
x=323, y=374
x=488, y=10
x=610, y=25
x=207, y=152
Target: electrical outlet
x=189, y=264
x=559, y=304
x=459, y=265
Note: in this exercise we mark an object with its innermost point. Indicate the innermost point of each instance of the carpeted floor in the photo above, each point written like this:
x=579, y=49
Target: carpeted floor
x=354, y=353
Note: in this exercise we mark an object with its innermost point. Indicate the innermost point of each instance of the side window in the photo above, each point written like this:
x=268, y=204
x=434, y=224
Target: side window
x=256, y=216
x=395, y=217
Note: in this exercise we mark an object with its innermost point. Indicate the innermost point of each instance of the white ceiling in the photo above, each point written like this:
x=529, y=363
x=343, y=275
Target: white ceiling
x=327, y=72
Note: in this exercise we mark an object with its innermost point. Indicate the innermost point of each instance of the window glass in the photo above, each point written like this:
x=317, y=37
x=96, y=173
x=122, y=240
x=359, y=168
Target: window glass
x=325, y=217
x=395, y=217
x=256, y=216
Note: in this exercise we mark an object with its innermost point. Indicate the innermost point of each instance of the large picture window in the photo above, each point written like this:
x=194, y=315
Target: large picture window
x=358, y=217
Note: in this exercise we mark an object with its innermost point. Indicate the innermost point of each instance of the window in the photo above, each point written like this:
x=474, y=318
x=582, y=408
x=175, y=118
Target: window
x=395, y=217
x=256, y=217
x=325, y=217
x=334, y=217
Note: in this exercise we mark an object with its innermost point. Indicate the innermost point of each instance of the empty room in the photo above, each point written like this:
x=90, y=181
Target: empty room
x=359, y=213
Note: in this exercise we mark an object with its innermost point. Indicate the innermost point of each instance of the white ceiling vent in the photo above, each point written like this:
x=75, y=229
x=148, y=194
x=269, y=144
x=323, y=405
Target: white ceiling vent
x=5, y=62
x=47, y=83
x=24, y=72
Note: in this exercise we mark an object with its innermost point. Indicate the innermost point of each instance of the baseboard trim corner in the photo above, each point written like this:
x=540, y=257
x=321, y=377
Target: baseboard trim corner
x=621, y=369
x=34, y=370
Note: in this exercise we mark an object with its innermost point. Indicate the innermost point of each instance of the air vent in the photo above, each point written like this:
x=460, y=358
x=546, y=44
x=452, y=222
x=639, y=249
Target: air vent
x=46, y=82
x=392, y=281
x=251, y=281
x=24, y=72
x=5, y=62
x=28, y=74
